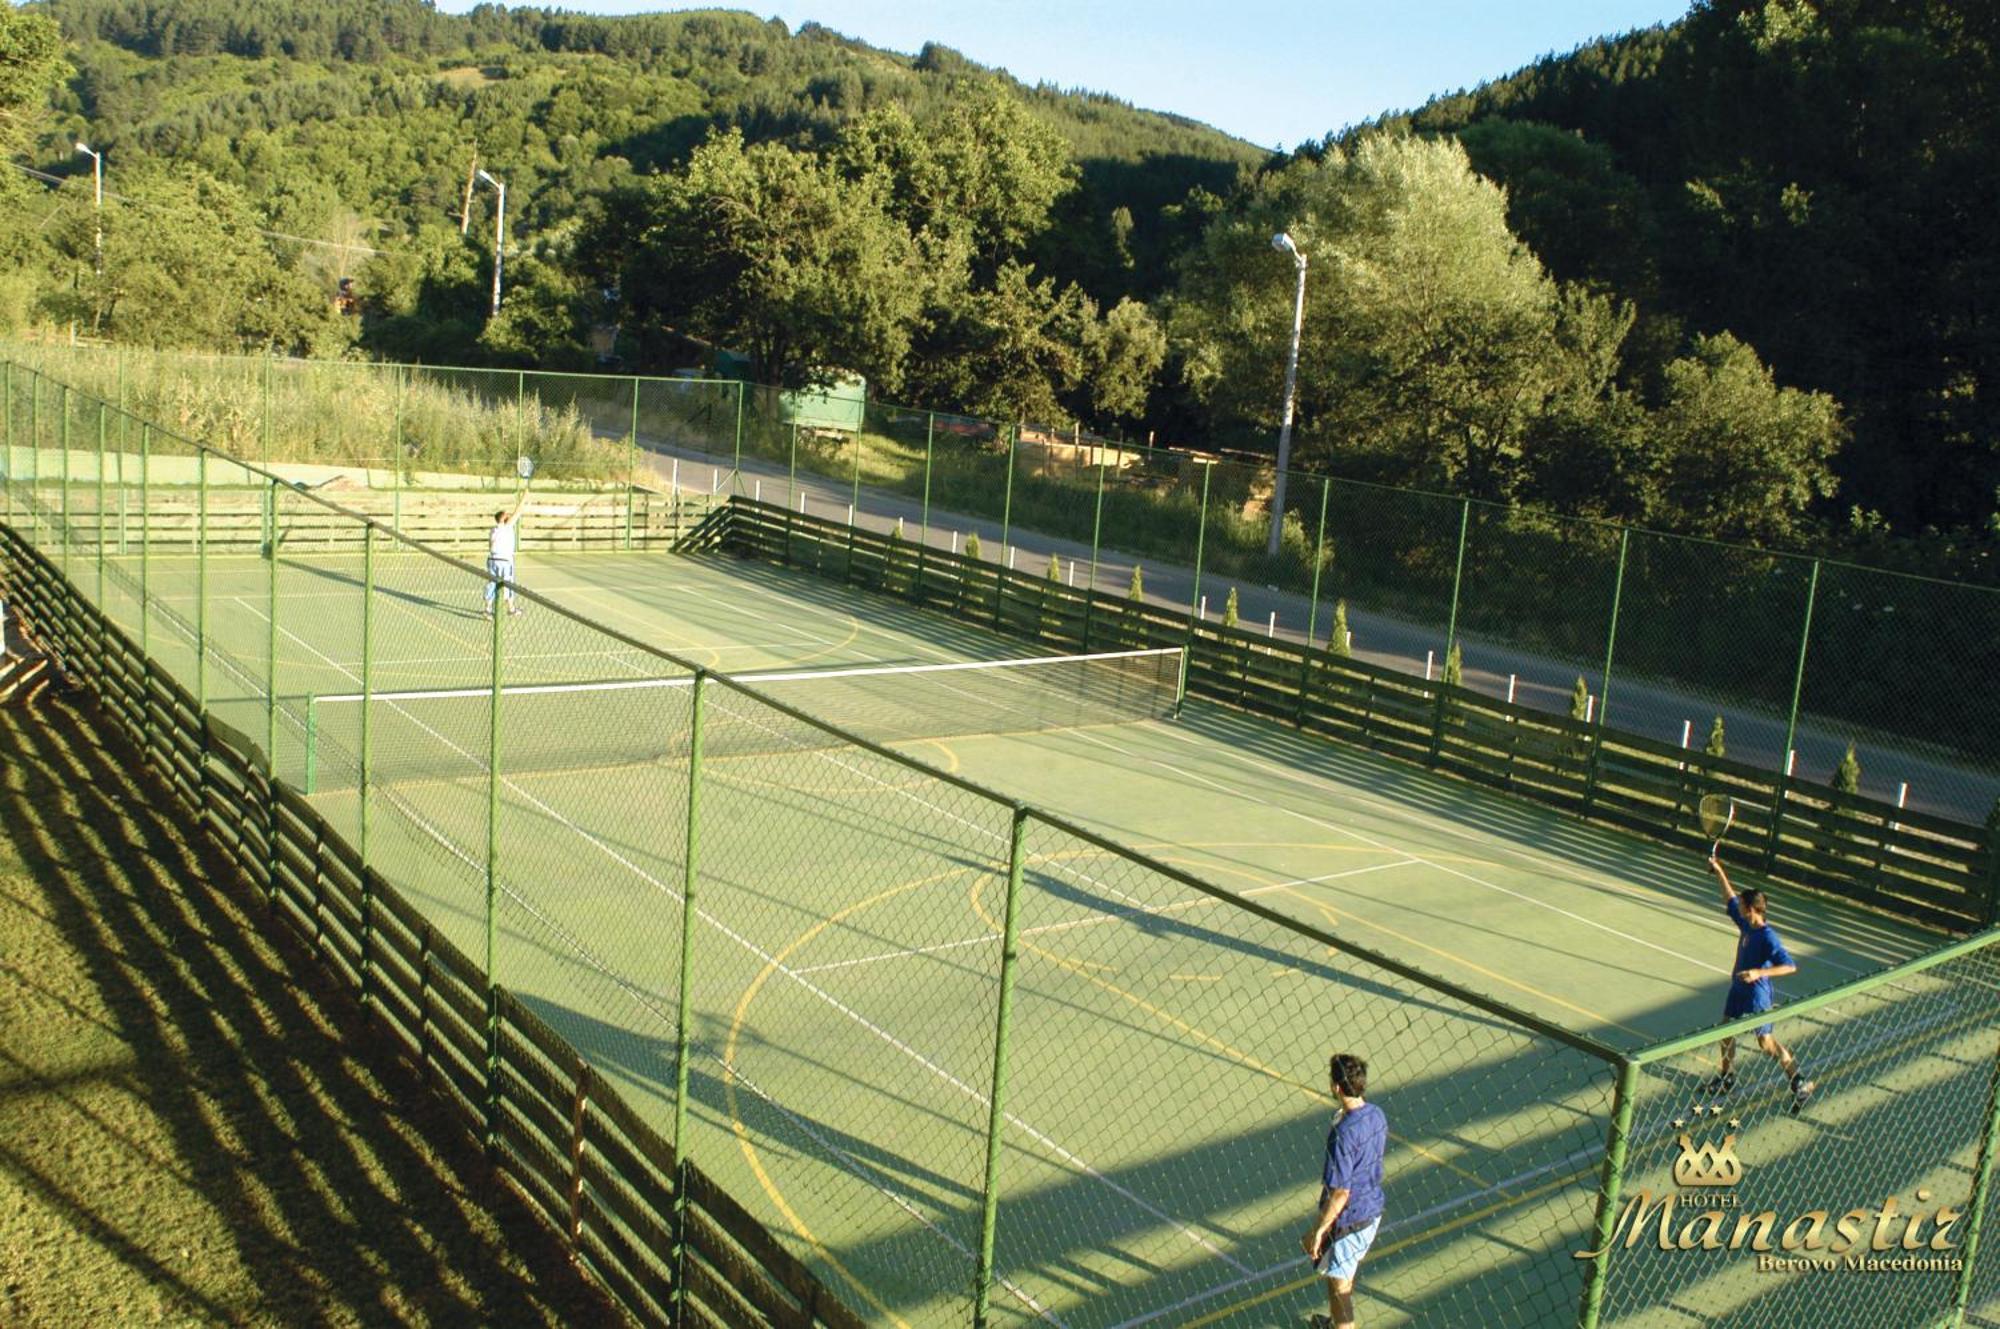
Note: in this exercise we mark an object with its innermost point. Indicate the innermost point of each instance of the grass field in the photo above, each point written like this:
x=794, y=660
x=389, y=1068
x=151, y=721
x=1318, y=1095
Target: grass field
x=1165, y=1103
x=193, y=1130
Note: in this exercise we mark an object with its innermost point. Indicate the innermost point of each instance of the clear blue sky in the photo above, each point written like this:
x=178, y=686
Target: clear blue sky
x=1275, y=74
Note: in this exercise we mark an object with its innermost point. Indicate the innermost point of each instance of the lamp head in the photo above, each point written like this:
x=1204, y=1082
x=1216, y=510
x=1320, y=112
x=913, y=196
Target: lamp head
x=81, y=146
x=1282, y=242
x=488, y=179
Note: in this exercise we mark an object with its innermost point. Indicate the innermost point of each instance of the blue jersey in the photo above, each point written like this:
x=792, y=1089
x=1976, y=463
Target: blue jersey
x=1756, y=948
x=1354, y=1149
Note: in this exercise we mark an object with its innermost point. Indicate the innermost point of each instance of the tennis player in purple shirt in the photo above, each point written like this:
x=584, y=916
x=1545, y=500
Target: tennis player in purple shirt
x=1760, y=957
x=1350, y=1195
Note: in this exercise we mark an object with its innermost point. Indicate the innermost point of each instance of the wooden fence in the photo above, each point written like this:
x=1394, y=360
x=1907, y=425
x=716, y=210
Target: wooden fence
x=665, y=1241
x=1928, y=869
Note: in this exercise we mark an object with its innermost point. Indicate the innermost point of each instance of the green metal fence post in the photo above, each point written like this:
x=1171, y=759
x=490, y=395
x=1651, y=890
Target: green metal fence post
x=996, y=1112
x=1319, y=562
x=1441, y=700
x=145, y=542
x=520, y=412
x=1784, y=780
x=1096, y=539
x=736, y=462
x=632, y=462
x=363, y=794
x=271, y=670
x=103, y=612
x=7, y=425
x=1610, y=1182
x=396, y=456
x=1604, y=684
x=201, y=580
x=1200, y=544
x=267, y=408
x=924, y=520
x=683, y=1040
x=492, y=1126
x=63, y=442
x=1007, y=504
x=1982, y=1189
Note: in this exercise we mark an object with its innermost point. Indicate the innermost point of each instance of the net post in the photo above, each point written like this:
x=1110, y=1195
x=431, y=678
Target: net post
x=924, y=521
x=690, y=884
x=1782, y=785
x=1982, y=1187
x=200, y=578
x=1604, y=685
x=363, y=793
x=312, y=743
x=1610, y=1181
x=632, y=463
x=996, y=1114
x=490, y=1135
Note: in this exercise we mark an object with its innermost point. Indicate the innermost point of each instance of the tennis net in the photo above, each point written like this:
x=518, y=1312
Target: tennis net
x=416, y=734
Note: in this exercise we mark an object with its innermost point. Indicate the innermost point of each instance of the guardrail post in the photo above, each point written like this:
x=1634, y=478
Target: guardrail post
x=63, y=442
x=1782, y=786
x=201, y=579
x=996, y=1113
x=271, y=688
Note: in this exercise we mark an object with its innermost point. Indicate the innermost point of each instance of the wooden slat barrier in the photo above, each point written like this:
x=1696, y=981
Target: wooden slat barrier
x=654, y=1231
x=1929, y=869
x=172, y=520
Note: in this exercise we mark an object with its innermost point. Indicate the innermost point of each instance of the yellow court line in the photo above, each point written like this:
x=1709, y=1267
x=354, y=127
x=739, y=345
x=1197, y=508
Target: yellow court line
x=1318, y=1096
x=736, y=1122
x=1480, y=969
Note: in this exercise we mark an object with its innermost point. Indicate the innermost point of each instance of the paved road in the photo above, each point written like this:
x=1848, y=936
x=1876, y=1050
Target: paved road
x=1936, y=782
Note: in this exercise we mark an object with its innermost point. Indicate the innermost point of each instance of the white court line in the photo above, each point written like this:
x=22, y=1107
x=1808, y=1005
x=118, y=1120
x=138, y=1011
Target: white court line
x=1106, y=916
x=1045, y=1141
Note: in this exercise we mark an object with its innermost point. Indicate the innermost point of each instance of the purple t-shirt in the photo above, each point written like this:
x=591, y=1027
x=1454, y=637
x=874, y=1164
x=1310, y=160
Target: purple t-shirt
x=1354, y=1150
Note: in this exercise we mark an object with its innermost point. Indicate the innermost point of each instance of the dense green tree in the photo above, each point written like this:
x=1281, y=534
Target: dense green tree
x=767, y=249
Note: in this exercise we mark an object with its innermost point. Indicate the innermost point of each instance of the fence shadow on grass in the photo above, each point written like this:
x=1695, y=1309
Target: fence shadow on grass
x=317, y=1189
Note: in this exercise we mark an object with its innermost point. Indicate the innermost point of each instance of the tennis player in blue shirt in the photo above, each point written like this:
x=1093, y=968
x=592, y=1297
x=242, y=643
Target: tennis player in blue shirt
x=1760, y=957
x=1350, y=1195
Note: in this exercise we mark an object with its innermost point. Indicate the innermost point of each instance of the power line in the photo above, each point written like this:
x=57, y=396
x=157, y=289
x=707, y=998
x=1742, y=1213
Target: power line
x=56, y=181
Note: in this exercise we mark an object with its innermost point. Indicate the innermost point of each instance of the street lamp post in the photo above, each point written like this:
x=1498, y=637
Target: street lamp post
x=1283, y=244
x=499, y=233
x=97, y=174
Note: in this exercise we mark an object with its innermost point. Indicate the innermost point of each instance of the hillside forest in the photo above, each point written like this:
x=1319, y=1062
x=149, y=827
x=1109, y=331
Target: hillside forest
x=1729, y=277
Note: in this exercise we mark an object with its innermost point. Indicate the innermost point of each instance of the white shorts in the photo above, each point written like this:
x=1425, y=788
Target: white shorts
x=1342, y=1257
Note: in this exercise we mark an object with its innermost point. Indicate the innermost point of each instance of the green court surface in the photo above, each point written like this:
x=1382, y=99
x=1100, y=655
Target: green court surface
x=1165, y=1104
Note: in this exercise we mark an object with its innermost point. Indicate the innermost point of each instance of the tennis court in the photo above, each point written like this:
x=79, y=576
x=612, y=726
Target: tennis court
x=1165, y=1102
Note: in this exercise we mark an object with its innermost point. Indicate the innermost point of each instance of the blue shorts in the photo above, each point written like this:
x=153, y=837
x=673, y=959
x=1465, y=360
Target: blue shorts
x=1746, y=1001
x=1342, y=1256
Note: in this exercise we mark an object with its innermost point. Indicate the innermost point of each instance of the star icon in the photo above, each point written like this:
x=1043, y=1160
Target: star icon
x=1679, y=1122
x=1735, y=1124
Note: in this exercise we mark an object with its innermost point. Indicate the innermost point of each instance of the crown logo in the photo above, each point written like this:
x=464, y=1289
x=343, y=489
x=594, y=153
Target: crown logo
x=1708, y=1164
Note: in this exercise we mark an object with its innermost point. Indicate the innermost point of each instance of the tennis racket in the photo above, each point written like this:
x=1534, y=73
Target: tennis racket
x=1717, y=814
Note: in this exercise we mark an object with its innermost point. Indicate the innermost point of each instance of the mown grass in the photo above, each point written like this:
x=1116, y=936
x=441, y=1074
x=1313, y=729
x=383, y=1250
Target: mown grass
x=196, y=1126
